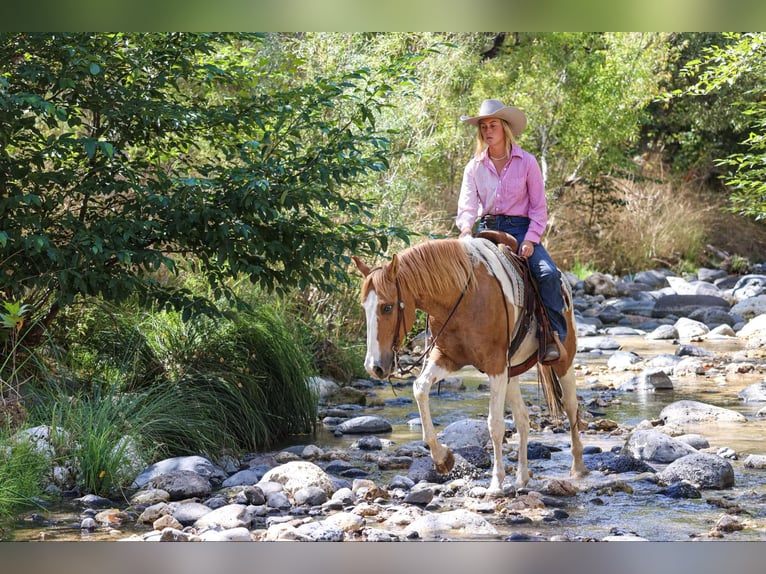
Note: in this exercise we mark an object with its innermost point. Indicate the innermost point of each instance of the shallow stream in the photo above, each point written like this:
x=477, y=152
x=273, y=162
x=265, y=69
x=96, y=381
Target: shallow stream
x=593, y=514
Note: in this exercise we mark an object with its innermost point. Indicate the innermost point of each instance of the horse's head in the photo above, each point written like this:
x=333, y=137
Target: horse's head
x=387, y=313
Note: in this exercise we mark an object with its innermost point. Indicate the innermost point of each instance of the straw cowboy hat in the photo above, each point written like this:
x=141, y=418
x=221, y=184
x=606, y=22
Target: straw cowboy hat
x=496, y=109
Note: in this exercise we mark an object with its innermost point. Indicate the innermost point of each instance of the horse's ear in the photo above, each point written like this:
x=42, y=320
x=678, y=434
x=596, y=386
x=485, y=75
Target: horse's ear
x=392, y=268
x=363, y=268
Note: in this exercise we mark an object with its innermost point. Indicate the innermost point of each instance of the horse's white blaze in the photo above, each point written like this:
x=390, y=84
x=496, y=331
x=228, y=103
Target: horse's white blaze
x=373, y=349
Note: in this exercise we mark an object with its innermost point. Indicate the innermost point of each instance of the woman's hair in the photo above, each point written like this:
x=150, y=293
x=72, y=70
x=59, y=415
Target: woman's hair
x=509, y=139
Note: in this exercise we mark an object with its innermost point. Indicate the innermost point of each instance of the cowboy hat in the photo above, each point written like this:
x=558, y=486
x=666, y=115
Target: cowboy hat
x=496, y=109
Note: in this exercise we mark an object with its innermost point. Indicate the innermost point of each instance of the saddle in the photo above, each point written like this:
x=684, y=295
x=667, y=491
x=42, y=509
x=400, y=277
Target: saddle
x=533, y=306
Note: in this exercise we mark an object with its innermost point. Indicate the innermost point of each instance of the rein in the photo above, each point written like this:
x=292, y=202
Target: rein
x=432, y=343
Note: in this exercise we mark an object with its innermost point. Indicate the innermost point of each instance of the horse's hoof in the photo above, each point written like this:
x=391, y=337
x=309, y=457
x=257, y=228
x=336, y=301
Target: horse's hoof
x=446, y=465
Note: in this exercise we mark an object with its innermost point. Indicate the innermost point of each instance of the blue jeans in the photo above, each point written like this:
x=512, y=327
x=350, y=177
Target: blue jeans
x=542, y=267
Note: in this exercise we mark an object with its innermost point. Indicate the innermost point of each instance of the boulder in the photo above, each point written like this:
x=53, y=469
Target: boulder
x=703, y=470
x=684, y=412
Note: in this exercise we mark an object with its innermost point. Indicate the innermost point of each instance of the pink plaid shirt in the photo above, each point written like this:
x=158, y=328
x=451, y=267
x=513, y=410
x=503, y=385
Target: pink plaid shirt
x=518, y=190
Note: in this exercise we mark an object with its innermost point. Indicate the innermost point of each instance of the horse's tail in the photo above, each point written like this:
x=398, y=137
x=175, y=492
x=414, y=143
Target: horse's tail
x=552, y=390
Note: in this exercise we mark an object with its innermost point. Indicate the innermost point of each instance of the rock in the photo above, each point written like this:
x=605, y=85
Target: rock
x=689, y=329
x=300, y=474
x=423, y=469
x=600, y=284
x=654, y=446
x=749, y=287
x=197, y=464
x=684, y=305
x=611, y=463
x=229, y=516
x=245, y=477
x=696, y=441
x=321, y=532
x=681, y=489
x=649, y=380
x=420, y=496
x=155, y=511
x=465, y=433
x=755, y=393
x=310, y=496
x=703, y=470
x=181, y=484
x=368, y=443
x=346, y=396
x=187, y=513
x=663, y=332
x=346, y=521
x=586, y=344
x=149, y=497
x=366, y=424
x=755, y=461
x=755, y=328
x=623, y=360
x=166, y=521
x=729, y=523
x=684, y=412
x=750, y=308
x=461, y=523
x=238, y=534
x=475, y=456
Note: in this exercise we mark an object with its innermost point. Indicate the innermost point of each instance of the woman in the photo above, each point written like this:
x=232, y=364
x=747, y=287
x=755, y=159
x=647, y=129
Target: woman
x=503, y=185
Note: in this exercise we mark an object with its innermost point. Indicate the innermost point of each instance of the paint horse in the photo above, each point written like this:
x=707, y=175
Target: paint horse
x=475, y=305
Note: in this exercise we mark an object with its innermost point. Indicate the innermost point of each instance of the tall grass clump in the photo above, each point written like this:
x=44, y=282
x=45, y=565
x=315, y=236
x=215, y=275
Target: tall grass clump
x=22, y=468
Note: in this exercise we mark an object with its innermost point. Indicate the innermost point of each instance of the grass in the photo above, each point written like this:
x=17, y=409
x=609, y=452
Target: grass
x=22, y=469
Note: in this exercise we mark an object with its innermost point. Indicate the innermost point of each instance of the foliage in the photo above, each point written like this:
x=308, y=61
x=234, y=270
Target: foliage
x=584, y=95
x=741, y=63
x=127, y=156
x=21, y=470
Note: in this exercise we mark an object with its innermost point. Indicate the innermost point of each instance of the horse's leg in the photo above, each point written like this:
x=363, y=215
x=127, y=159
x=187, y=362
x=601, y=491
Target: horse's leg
x=496, y=424
x=521, y=421
x=569, y=384
x=443, y=458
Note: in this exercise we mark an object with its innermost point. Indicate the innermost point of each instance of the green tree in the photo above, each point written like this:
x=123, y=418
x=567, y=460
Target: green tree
x=739, y=62
x=128, y=157
x=584, y=95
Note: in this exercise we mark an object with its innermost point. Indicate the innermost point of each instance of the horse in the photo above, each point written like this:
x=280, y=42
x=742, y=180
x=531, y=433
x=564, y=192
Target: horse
x=475, y=305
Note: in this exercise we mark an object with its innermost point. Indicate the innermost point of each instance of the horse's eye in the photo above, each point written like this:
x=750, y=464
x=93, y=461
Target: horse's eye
x=388, y=308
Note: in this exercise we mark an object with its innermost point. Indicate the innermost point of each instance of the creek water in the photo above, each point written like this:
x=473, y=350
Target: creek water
x=594, y=513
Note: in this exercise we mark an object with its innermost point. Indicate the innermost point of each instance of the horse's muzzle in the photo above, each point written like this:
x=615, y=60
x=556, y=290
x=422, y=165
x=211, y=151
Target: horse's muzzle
x=380, y=368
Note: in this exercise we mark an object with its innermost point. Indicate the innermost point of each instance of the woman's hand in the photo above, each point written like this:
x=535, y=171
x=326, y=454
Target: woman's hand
x=464, y=233
x=526, y=249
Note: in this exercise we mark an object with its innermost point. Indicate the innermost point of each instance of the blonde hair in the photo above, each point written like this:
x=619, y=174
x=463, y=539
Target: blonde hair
x=509, y=139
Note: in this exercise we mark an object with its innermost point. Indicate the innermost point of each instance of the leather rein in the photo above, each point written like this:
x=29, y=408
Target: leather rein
x=401, y=326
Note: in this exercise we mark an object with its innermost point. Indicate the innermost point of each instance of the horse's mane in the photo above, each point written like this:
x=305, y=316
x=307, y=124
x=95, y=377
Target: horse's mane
x=436, y=266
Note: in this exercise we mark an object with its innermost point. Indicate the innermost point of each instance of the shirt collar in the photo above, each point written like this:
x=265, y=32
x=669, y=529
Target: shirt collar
x=515, y=152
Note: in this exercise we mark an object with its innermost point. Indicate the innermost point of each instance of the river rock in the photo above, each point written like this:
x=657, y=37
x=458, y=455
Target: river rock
x=684, y=305
x=238, y=534
x=649, y=380
x=454, y=523
x=365, y=424
x=599, y=343
x=197, y=464
x=187, y=513
x=681, y=489
x=600, y=284
x=229, y=516
x=755, y=461
x=321, y=532
x=689, y=329
x=755, y=393
x=623, y=360
x=703, y=470
x=751, y=307
x=611, y=463
x=464, y=433
x=181, y=484
x=310, y=496
x=245, y=477
x=684, y=412
x=749, y=286
x=754, y=328
x=663, y=332
x=300, y=474
x=655, y=446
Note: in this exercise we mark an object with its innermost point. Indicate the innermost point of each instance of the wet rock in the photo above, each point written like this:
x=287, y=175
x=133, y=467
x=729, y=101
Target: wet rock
x=475, y=455
x=684, y=305
x=681, y=489
x=611, y=463
x=368, y=443
x=537, y=450
x=703, y=470
x=649, y=380
x=663, y=332
x=654, y=446
x=729, y=523
x=187, y=513
x=755, y=461
x=366, y=424
x=754, y=393
x=245, y=477
x=465, y=433
x=453, y=523
x=420, y=496
x=623, y=361
x=683, y=412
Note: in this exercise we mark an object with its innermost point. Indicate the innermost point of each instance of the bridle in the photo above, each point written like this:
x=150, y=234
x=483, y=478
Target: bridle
x=401, y=325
